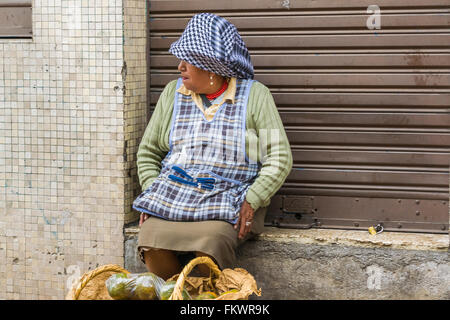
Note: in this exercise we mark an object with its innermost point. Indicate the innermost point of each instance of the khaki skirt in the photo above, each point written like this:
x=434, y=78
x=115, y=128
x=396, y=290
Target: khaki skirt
x=216, y=238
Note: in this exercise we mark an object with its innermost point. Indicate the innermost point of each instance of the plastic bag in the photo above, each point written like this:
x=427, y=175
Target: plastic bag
x=167, y=290
x=137, y=286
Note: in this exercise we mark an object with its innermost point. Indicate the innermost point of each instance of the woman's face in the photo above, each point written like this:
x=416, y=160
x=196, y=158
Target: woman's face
x=196, y=79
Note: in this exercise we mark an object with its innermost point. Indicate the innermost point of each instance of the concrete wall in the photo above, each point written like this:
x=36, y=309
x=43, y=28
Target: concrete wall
x=350, y=265
x=72, y=111
x=336, y=264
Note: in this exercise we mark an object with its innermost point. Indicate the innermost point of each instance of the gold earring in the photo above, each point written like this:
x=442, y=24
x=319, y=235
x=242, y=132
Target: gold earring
x=211, y=83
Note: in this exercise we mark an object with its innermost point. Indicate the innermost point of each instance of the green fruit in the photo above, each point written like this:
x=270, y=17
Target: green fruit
x=167, y=289
x=142, y=292
x=230, y=291
x=143, y=286
x=119, y=292
x=146, y=286
x=118, y=286
x=208, y=295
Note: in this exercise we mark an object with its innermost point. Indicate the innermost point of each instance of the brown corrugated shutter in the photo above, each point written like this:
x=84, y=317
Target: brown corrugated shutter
x=366, y=111
x=15, y=19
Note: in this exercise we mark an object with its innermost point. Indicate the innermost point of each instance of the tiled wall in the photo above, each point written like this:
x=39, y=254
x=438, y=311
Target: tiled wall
x=71, y=116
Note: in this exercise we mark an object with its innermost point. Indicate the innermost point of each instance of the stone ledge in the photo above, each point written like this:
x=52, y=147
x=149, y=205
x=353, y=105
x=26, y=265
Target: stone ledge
x=338, y=264
x=396, y=240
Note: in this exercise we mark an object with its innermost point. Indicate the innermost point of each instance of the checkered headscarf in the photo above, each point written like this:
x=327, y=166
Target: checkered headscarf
x=211, y=43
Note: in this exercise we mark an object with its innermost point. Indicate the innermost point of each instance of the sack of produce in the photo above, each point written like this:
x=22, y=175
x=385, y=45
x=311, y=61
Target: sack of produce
x=228, y=284
x=142, y=286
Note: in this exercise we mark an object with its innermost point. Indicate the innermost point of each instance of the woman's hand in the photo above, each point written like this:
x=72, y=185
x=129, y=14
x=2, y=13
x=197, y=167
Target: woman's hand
x=144, y=216
x=245, y=220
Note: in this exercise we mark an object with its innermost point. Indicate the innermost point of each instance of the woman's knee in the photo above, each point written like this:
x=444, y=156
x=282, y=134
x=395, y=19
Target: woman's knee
x=159, y=256
x=202, y=254
x=162, y=262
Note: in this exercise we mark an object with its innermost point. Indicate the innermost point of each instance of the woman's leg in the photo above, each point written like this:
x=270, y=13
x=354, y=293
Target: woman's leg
x=203, y=269
x=162, y=262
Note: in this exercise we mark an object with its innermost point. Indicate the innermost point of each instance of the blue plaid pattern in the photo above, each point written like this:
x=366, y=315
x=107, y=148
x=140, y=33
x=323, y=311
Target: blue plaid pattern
x=212, y=43
x=202, y=150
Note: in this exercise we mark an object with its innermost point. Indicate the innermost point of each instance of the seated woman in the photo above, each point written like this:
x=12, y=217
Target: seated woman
x=213, y=154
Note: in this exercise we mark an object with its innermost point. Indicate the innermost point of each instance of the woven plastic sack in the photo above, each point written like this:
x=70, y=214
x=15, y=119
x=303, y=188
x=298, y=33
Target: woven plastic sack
x=228, y=284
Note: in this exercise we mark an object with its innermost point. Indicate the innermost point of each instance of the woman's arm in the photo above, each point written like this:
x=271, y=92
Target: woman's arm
x=274, y=150
x=153, y=147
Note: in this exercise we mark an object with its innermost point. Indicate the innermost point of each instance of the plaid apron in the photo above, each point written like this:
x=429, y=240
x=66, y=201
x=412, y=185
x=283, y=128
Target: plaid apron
x=206, y=173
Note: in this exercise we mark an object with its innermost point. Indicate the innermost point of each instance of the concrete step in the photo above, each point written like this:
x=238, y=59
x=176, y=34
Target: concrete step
x=338, y=264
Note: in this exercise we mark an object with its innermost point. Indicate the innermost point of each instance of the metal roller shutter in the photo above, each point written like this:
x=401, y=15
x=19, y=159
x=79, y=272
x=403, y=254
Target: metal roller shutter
x=15, y=19
x=366, y=111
